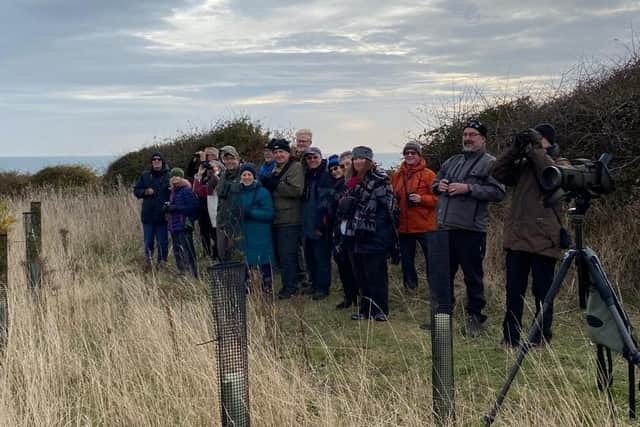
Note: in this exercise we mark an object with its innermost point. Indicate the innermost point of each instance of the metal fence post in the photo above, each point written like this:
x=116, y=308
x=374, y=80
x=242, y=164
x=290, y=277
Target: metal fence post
x=228, y=306
x=441, y=328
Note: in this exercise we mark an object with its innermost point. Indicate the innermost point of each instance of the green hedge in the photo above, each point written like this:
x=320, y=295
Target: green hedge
x=599, y=115
x=248, y=137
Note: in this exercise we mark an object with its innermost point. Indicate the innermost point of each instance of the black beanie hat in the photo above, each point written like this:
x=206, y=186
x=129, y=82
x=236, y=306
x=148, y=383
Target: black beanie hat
x=362, y=152
x=280, y=144
x=548, y=131
x=477, y=125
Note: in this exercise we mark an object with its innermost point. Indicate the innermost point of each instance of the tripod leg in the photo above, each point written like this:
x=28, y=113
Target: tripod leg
x=535, y=328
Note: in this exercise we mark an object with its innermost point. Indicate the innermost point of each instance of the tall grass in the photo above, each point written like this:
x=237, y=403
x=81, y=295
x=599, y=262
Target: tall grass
x=106, y=344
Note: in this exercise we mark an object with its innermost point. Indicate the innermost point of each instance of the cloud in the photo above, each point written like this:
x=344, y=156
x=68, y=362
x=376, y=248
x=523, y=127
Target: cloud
x=346, y=68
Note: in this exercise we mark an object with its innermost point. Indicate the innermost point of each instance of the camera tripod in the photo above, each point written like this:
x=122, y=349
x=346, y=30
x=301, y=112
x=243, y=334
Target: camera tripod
x=590, y=272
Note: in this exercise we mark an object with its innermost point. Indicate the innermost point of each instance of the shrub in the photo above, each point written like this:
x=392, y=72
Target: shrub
x=64, y=176
x=13, y=183
x=600, y=114
x=246, y=136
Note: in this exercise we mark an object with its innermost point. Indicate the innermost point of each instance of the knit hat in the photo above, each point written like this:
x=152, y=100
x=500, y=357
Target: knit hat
x=280, y=144
x=176, y=172
x=229, y=149
x=313, y=150
x=333, y=160
x=248, y=167
x=362, y=152
x=412, y=145
x=547, y=131
x=477, y=125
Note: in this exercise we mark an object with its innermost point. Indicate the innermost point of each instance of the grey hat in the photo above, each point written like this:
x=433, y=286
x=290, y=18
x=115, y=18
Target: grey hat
x=313, y=150
x=229, y=149
x=412, y=145
x=362, y=152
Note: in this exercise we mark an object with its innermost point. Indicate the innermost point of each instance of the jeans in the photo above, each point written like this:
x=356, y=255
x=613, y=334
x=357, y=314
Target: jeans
x=519, y=264
x=153, y=233
x=286, y=238
x=466, y=250
x=317, y=253
x=408, y=255
x=184, y=251
x=371, y=272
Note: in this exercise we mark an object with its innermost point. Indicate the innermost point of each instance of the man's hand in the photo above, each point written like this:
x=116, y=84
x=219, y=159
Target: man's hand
x=149, y=191
x=458, y=188
x=443, y=185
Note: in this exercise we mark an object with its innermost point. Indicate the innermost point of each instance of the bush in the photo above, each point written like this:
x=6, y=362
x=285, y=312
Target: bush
x=64, y=176
x=13, y=183
x=600, y=114
x=246, y=136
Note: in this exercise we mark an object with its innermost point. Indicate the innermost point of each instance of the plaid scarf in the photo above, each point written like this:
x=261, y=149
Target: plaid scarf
x=375, y=192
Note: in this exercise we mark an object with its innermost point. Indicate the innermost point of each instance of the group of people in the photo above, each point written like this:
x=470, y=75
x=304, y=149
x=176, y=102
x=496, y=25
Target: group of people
x=300, y=208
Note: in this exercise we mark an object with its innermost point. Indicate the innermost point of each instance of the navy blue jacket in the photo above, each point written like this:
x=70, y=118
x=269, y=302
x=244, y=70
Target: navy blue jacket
x=183, y=208
x=152, y=205
x=318, y=192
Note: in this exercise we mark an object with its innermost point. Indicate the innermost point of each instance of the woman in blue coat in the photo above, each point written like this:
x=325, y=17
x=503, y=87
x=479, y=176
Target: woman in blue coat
x=257, y=210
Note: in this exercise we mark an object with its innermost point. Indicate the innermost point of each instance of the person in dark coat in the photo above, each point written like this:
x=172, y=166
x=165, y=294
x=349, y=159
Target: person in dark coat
x=228, y=219
x=531, y=229
x=257, y=210
x=153, y=188
x=342, y=246
x=374, y=227
x=318, y=190
x=204, y=168
x=286, y=185
x=182, y=212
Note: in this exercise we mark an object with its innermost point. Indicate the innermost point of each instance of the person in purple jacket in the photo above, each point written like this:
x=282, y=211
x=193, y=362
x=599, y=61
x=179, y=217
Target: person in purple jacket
x=182, y=211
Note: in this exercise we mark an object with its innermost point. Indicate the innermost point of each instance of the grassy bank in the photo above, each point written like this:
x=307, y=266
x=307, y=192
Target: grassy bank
x=109, y=345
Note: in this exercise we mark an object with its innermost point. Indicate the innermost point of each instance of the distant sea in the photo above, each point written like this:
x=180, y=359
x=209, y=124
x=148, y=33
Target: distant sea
x=101, y=163
x=34, y=164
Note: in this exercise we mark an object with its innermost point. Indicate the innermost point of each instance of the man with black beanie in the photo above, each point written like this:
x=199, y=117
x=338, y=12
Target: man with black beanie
x=465, y=187
x=531, y=228
x=153, y=188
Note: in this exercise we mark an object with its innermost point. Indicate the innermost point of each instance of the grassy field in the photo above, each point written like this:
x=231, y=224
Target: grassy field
x=110, y=345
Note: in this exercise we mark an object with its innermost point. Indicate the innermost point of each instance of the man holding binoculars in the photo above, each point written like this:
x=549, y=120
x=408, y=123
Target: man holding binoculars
x=465, y=187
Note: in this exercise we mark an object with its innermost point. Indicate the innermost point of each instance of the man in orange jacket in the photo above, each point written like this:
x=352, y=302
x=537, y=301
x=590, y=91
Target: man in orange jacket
x=412, y=185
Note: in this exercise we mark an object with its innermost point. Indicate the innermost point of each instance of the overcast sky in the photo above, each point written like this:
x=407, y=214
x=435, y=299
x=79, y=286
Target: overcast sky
x=106, y=77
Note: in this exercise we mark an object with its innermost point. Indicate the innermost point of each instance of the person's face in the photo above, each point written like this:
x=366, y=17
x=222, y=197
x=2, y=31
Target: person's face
x=281, y=156
x=345, y=163
x=359, y=164
x=411, y=157
x=472, y=140
x=337, y=171
x=268, y=155
x=230, y=162
x=211, y=157
x=247, y=178
x=313, y=160
x=303, y=142
x=156, y=163
x=544, y=142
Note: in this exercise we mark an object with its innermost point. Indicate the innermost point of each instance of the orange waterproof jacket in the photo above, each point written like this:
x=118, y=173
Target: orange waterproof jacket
x=415, y=179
